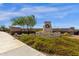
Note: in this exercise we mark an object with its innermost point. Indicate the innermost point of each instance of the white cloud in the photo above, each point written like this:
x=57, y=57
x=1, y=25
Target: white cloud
x=6, y=15
x=36, y=10
x=39, y=9
x=25, y=11
x=1, y=4
x=61, y=16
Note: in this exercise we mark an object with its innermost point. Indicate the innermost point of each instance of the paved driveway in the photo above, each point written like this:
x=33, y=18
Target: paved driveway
x=11, y=46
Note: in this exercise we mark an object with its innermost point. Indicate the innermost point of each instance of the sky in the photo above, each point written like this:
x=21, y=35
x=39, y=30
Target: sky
x=61, y=15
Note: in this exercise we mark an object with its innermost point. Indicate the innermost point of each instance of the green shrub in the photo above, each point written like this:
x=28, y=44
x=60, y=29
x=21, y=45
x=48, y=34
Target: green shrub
x=66, y=34
x=60, y=46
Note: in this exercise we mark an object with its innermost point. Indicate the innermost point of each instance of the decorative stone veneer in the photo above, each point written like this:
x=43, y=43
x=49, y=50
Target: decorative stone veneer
x=47, y=31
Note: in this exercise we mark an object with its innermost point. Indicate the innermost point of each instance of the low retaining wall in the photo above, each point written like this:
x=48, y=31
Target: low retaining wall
x=55, y=34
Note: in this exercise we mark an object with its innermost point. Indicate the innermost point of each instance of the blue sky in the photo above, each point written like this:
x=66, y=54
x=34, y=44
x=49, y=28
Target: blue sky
x=61, y=15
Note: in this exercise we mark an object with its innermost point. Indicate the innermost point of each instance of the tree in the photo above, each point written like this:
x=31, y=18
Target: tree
x=30, y=21
x=23, y=21
x=20, y=21
x=3, y=28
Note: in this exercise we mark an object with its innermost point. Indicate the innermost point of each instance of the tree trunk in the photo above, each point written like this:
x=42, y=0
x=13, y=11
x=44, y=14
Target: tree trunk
x=27, y=30
x=23, y=29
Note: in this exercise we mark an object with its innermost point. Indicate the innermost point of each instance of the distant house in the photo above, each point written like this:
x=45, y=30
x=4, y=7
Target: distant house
x=71, y=30
x=63, y=30
x=19, y=30
x=15, y=29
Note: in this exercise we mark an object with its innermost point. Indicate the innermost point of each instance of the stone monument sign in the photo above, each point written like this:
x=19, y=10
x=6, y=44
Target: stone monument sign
x=47, y=28
x=47, y=31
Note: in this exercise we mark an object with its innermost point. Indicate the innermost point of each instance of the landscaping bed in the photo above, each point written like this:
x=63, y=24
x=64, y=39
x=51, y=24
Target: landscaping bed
x=63, y=46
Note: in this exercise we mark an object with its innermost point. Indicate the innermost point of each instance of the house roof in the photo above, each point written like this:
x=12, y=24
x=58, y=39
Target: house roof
x=53, y=29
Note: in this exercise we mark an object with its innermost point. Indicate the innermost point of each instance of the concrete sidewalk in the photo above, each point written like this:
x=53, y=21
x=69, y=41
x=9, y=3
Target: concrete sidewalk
x=9, y=46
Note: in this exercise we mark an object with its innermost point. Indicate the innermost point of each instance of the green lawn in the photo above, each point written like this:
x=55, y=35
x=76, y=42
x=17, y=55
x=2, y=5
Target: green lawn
x=63, y=45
